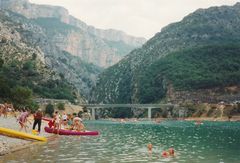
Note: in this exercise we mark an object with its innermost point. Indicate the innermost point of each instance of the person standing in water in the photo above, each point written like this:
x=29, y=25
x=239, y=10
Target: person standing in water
x=57, y=122
x=38, y=120
x=23, y=119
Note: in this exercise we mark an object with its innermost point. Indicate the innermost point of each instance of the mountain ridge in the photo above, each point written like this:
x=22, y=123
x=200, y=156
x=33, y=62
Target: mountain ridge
x=213, y=26
x=109, y=55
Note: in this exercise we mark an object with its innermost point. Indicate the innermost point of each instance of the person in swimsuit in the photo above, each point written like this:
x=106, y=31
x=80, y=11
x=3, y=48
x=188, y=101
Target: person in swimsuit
x=1, y=109
x=57, y=122
x=70, y=121
x=64, y=120
x=78, y=125
x=150, y=146
x=5, y=110
x=168, y=153
x=23, y=119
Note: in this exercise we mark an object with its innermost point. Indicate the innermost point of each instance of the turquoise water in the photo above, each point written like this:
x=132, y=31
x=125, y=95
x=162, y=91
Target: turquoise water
x=212, y=142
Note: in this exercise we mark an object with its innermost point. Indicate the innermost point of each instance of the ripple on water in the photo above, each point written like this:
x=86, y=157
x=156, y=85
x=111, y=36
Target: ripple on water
x=208, y=143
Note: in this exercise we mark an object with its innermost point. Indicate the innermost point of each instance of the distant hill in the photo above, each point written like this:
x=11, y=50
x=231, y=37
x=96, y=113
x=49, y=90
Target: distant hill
x=199, y=52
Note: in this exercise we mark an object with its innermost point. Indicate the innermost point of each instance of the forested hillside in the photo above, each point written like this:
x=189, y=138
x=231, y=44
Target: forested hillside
x=199, y=52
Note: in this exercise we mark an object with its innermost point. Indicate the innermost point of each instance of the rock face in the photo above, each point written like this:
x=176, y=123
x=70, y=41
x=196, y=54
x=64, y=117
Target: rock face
x=22, y=37
x=145, y=74
x=100, y=47
x=66, y=45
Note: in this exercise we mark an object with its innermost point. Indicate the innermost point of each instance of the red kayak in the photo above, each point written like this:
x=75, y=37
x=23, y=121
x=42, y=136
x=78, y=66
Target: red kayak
x=71, y=132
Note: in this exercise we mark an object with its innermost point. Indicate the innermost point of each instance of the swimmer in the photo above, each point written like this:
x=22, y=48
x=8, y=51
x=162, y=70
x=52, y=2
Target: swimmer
x=150, y=146
x=198, y=123
x=168, y=153
x=164, y=154
x=171, y=151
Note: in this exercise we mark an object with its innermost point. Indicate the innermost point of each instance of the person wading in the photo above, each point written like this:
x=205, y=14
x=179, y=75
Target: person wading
x=38, y=120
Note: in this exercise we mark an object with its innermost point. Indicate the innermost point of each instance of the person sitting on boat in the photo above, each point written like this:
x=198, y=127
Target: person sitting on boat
x=81, y=126
x=70, y=121
x=64, y=120
x=78, y=125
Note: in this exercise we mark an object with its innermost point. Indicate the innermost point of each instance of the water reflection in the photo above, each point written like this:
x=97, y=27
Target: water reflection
x=211, y=142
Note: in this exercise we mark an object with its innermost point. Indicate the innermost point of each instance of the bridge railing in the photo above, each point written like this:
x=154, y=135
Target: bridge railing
x=127, y=105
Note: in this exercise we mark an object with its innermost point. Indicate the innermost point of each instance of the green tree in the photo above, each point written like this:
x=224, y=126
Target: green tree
x=1, y=62
x=4, y=88
x=34, y=56
x=21, y=96
x=61, y=106
x=49, y=109
x=29, y=65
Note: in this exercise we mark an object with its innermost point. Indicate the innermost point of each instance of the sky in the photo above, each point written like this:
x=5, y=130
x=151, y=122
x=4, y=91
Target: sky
x=142, y=18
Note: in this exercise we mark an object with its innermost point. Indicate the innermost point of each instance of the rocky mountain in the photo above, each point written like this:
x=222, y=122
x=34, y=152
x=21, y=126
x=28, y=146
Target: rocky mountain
x=26, y=36
x=100, y=47
x=23, y=68
x=198, y=53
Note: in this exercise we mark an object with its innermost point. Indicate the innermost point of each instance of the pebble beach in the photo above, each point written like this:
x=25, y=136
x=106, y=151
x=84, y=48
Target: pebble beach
x=10, y=144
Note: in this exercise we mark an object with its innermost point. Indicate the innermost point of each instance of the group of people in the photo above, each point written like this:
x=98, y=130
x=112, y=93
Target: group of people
x=59, y=121
x=5, y=108
x=22, y=119
x=66, y=121
x=165, y=153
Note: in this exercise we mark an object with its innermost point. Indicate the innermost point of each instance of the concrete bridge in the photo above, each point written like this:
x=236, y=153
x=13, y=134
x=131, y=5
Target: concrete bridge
x=93, y=107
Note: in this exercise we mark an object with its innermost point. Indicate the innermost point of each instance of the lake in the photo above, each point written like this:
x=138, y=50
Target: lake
x=211, y=142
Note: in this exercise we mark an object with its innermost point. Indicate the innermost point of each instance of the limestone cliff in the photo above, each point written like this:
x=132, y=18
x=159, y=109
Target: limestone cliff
x=100, y=47
x=31, y=38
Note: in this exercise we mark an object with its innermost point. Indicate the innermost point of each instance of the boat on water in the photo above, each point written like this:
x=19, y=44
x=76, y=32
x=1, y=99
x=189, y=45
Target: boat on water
x=71, y=132
x=22, y=135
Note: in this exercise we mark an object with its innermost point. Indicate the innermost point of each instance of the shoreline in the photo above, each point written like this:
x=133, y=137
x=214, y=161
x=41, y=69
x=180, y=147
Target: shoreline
x=19, y=147
x=11, y=144
x=211, y=119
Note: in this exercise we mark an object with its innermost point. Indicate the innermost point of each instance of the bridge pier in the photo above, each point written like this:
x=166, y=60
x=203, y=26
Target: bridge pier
x=149, y=114
x=93, y=113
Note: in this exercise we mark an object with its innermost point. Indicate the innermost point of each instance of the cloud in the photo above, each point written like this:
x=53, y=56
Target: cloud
x=136, y=17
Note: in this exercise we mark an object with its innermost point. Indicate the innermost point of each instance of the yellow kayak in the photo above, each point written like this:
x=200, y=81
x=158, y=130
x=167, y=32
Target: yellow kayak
x=18, y=134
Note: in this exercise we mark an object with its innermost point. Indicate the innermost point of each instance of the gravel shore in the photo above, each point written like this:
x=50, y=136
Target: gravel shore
x=10, y=144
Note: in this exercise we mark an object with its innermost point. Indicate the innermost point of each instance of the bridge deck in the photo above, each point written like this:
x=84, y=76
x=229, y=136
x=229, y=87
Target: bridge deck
x=127, y=105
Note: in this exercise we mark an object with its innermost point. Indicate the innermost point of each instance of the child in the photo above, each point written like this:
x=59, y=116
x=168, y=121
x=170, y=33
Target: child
x=23, y=119
x=57, y=122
